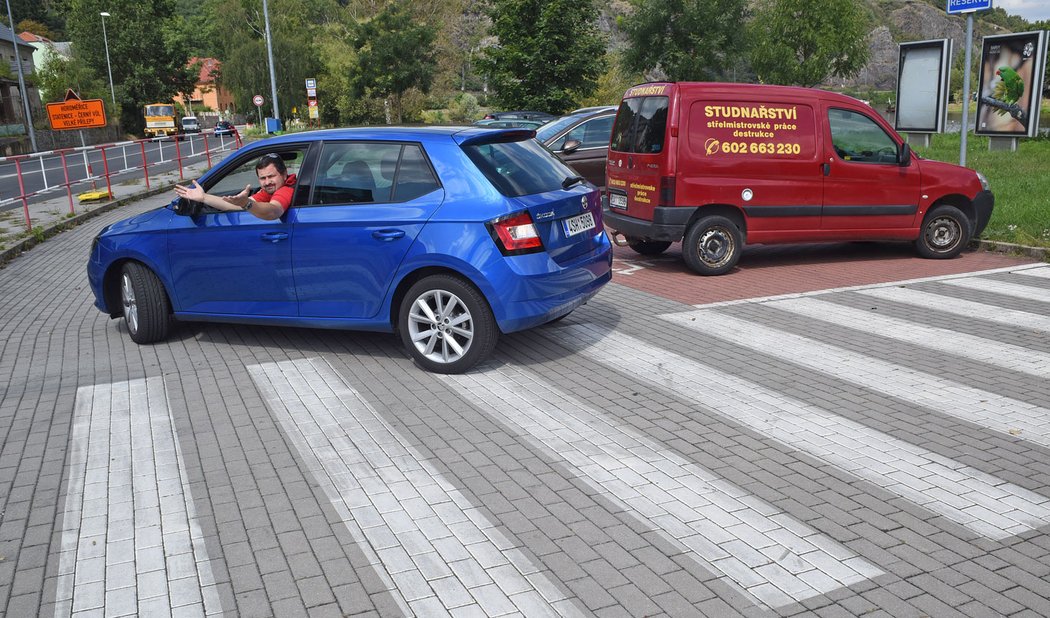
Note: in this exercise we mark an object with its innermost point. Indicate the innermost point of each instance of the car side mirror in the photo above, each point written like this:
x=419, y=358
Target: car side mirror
x=904, y=158
x=187, y=208
x=570, y=145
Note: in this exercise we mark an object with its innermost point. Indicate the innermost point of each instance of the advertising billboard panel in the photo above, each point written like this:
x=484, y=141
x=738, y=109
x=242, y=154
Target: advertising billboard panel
x=1012, y=68
x=923, y=78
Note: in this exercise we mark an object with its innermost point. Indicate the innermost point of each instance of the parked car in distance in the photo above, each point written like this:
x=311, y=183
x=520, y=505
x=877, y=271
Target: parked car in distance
x=519, y=115
x=510, y=124
x=581, y=139
x=225, y=127
x=447, y=236
x=720, y=165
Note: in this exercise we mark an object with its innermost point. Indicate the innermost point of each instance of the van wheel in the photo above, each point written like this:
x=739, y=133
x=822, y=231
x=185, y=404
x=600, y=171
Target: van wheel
x=712, y=245
x=647, y=247
x=147, y=312
x=944, y=234
x=446, y=325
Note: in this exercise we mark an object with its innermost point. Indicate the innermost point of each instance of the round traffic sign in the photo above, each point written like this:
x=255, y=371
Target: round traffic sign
x=258, y=100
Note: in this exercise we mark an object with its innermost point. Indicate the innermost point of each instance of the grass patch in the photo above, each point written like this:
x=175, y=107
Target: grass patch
x=1019, y=180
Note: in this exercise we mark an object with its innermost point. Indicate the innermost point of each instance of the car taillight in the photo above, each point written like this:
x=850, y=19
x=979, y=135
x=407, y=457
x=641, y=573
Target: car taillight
x=516, y=234
x=666, y=191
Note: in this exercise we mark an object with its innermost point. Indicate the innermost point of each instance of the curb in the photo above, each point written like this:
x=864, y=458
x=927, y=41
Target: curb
x=992, y=246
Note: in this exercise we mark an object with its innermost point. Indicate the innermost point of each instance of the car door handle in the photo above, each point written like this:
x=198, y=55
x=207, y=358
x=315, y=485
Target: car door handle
x=275, y=236
x=388, y=235
x=826, y=168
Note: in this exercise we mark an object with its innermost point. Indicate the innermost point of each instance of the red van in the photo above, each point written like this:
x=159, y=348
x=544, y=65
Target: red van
x=718, y=165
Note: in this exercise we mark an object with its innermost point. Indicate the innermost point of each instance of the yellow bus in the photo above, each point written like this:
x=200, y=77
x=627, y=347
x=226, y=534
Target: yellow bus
x=160, y=119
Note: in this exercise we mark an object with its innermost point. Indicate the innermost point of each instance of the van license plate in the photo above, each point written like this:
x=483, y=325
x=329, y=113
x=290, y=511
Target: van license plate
x=579, y=224
x=618, y=200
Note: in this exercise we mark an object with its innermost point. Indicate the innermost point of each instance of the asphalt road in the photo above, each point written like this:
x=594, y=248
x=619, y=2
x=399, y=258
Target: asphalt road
x=43, y=176
x=828, y=431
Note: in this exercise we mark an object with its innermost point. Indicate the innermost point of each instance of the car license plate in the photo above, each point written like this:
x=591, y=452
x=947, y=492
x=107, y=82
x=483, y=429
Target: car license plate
x=618, y=200
x=579, y=224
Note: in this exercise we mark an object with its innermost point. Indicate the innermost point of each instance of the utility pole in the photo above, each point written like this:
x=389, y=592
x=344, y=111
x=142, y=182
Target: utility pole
x=21, y=78
x=269, y=58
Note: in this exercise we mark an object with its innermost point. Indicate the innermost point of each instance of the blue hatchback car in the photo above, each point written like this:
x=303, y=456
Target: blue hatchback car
x=447, y=236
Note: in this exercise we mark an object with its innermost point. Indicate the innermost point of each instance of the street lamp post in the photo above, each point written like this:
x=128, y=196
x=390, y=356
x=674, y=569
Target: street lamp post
x=109, y=69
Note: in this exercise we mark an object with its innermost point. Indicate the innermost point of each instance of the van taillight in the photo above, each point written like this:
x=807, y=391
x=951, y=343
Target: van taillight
x=516, y=234
x=666, y=191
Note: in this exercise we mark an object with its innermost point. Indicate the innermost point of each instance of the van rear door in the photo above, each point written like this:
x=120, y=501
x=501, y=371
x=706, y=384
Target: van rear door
x=639, y=149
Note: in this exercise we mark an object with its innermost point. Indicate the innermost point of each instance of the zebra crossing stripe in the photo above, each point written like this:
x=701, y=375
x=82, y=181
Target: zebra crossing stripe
x=130, y=541
x=774, y=558
x=964, y=308
x=1013, y=357
x=973, y=405
x=985, y=504
x=1015, y=290
x=1043, y=272
x=432, y=548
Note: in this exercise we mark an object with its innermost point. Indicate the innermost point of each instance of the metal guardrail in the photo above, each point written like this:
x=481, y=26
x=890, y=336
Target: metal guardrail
x=101, y=163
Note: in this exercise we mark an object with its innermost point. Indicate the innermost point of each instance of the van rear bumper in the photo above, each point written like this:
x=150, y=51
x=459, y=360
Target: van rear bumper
x=668, y=223
x=982, y=205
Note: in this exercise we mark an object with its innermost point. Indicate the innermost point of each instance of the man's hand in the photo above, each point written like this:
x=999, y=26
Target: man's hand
x=241, y=198
x=194, y=193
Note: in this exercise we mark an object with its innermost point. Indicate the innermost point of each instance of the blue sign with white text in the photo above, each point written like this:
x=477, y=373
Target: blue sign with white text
x=967, y=6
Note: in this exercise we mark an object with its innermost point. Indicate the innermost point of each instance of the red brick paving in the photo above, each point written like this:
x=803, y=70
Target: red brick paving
x=785, y=269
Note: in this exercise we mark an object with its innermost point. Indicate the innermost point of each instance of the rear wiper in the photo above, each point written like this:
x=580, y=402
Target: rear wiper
x=571, y=180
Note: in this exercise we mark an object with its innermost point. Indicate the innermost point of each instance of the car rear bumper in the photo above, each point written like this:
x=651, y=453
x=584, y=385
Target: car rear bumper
x=539, y=297
x=668, y=223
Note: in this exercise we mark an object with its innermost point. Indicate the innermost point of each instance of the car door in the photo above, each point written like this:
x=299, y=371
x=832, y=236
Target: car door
x=233, y=263
x=866, y=190
x=589, y=157
x=368, y=203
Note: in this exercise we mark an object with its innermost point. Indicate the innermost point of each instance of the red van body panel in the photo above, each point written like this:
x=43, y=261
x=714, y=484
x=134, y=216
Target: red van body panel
x=785, y=164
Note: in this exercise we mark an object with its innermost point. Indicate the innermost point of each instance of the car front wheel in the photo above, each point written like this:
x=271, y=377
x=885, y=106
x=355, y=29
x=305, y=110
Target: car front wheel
x=147, y=311
x=446, y=325
x=944, y=234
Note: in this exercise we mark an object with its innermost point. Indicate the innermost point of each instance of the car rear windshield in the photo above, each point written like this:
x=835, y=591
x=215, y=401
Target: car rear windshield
x=640, y=125
x=517, y=168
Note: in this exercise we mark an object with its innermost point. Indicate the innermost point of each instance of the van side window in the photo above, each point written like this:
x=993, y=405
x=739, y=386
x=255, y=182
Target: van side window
x=859, y=139
x=640, y=125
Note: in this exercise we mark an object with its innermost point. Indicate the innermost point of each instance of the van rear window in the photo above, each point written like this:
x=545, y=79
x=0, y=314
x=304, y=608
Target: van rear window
x=641, y=125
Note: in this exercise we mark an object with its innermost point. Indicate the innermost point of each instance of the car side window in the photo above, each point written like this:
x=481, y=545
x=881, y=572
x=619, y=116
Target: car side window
x=244, y=174
x=593, y=133
x=414, y=176
x=859, y=139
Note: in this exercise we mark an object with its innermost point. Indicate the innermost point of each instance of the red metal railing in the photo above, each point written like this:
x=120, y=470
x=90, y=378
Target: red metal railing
x=141, y=161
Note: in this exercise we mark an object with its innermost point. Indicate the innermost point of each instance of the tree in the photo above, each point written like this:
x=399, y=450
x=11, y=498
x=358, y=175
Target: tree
x=58, y=74
x=395, y=53
x=805, y=42
x=685, y=39
x=147, y=52
x=549, y=56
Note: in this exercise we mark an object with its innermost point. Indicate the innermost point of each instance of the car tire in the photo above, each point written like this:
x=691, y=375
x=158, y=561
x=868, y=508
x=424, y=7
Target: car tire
x=446, y=325
x=944, y=234
x=147, y=310
x=647, y=247
x=712, y=245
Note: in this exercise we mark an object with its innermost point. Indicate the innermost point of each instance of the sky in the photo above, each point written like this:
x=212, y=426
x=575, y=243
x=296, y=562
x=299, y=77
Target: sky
x=1032, y=10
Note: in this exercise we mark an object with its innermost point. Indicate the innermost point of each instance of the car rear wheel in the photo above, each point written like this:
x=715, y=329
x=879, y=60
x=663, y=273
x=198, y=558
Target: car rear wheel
x=647, y=247
x=147, y=311
x=945, y=232
x=712, y=245
x=446, y=325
